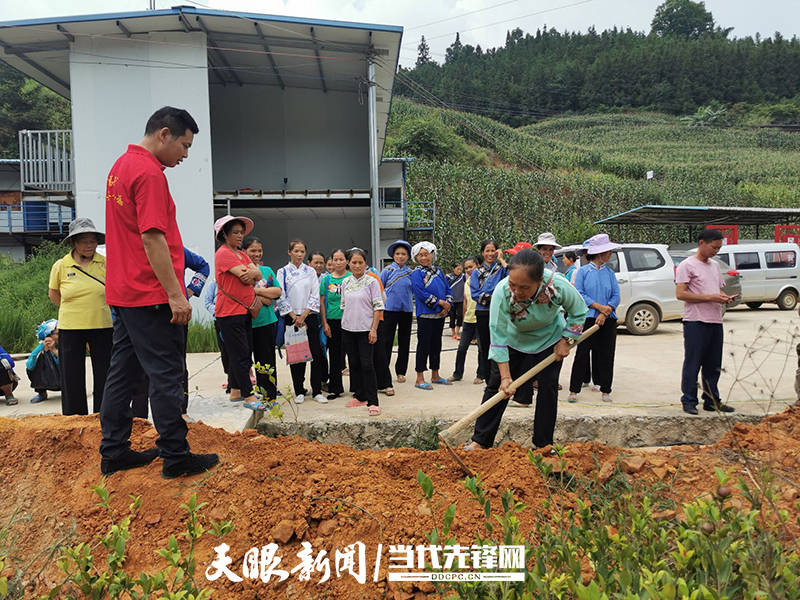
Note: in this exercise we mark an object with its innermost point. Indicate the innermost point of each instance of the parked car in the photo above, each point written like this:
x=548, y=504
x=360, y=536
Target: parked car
x=769, y=272
x=646, y=277
x=730, y=277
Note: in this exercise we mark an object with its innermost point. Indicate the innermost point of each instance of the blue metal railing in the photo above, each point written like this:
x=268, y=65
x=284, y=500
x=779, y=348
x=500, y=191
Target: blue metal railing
x=35, y=216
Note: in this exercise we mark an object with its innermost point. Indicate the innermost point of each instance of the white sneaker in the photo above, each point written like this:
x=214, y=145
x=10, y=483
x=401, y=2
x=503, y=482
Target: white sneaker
x=321, y=399
x=299, y=399
x=595, y=388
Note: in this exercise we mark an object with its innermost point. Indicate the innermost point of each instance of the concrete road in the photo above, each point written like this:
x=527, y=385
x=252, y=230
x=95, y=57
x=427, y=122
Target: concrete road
x=759, y=365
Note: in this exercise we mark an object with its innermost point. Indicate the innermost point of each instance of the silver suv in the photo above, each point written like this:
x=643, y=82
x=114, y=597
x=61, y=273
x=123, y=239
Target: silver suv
x=646, y=277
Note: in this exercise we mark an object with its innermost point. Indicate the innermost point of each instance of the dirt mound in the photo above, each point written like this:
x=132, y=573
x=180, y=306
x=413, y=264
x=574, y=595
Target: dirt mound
x=292, y=490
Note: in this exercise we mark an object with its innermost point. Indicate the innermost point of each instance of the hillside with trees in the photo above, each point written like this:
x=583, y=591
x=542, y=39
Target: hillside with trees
x=685, y=61
x=564, y=173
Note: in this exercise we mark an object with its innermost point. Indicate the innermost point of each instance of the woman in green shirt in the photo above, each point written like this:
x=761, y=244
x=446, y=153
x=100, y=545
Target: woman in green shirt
x=264, y=323
x=330, y=311
x=526, y=325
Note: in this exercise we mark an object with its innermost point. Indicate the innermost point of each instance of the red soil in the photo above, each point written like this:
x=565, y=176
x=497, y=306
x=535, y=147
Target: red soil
x=274, y=487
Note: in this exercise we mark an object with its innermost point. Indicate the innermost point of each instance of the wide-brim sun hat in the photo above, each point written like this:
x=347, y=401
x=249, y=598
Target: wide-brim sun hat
x=600, y=243
x=519, y=246
x=220, y=223
x=547, y=239
x=398, y=244
x=84, y=225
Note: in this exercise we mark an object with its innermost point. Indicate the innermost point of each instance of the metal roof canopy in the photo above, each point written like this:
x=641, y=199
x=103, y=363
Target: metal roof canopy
x=243, y=48
x=653, y=214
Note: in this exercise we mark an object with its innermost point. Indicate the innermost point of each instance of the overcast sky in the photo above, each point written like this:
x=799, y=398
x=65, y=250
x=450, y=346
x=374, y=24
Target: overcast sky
x=483, y=22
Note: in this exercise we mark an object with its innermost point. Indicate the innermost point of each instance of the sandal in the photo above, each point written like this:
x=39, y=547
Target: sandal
x=12, y=401
x=440, y=381
x=401, y=379
x=258, y=405
x=473, y=446
x=389, y=391
x=423, y=386
x=38, y=398
x=477, y=381
x=572, y=398
x=374, y=411
x=355, y=402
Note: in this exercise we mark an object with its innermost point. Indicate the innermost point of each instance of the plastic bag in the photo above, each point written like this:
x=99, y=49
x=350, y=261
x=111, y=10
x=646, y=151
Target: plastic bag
x=297, y=348
x=46, y=374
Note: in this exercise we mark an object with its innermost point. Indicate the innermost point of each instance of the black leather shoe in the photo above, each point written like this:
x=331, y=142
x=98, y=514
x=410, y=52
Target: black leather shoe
x=690, y=409
x=718, y=407
x=191, y=464
x=130, y=459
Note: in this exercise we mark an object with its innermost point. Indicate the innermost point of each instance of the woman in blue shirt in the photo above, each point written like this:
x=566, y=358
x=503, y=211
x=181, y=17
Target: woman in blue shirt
x=433, y=302
x=598, y=285
x=396, y=279
x=481, y=287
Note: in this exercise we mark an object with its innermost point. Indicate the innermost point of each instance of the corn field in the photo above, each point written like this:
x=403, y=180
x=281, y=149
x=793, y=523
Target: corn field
x=563, y=174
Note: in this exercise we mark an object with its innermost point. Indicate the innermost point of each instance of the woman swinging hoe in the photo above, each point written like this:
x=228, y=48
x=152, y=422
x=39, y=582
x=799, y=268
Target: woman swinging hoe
x=526, y=325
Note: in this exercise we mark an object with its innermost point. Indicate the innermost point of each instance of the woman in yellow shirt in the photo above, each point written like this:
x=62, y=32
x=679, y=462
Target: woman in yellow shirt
x=77, y=287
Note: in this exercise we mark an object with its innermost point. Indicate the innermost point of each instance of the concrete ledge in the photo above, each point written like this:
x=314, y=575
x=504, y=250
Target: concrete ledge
x=620, y=430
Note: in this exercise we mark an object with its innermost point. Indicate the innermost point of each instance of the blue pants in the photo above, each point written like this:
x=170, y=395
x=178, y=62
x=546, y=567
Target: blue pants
x=702, y=353
x=144, y=336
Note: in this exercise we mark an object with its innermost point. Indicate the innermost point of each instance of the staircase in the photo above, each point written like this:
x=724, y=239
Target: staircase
x=420, y=220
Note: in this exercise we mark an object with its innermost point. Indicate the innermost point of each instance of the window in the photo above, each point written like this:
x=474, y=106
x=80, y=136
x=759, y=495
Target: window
x=613, y=263
x=781, y=260
x=643, y=259
x=391, y=197
x=747, y=260
x=724, y=258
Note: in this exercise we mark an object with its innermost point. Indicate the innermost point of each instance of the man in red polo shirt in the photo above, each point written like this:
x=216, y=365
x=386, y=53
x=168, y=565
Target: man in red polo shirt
x=144, y=285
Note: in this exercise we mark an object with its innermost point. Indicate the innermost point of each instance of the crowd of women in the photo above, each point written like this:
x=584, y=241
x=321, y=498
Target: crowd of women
x=351, y=314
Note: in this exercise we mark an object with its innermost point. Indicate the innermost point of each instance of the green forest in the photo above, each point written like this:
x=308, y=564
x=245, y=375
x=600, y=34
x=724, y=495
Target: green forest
x=684, y=62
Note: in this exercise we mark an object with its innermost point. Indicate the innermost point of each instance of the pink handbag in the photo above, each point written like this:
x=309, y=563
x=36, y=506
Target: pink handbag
x=296, y=345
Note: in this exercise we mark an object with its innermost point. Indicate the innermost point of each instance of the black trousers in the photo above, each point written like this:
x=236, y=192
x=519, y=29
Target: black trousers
x=456, y=314
x=484, y=339
x=362, y=371
x=603, y=346
x=72, y=360
x=400, y=321
x=468, y=333
x=144, y=336
x=544, y=419
x=299, y=369
x=264, y=353
x=336, y=362
x=223, y=354
x=141, y=385
x=429, y=343
x=380, y=359
x=702, y=354
x=237, y=333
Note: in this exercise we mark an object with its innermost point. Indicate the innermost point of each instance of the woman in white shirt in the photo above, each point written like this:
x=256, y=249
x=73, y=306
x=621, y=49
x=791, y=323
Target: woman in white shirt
x=299, y=305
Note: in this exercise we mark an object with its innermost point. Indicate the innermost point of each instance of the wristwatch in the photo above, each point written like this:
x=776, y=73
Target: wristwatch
x=569, y=340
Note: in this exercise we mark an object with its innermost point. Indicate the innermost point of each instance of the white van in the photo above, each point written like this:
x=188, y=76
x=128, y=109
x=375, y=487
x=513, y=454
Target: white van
x=769, y=271
x=646, y=277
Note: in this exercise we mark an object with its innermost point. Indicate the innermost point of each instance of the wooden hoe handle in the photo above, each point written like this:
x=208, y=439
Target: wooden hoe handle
x=532, y=372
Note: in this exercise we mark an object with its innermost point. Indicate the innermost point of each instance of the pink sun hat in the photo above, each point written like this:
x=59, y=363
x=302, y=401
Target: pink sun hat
x=220, y=223
x=597, y=244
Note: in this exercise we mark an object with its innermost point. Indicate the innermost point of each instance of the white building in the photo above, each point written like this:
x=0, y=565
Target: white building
x=292, y=115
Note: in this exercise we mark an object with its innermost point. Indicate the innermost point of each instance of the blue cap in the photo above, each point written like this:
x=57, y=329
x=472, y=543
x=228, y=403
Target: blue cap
x=46, y=328
x=394, y=245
